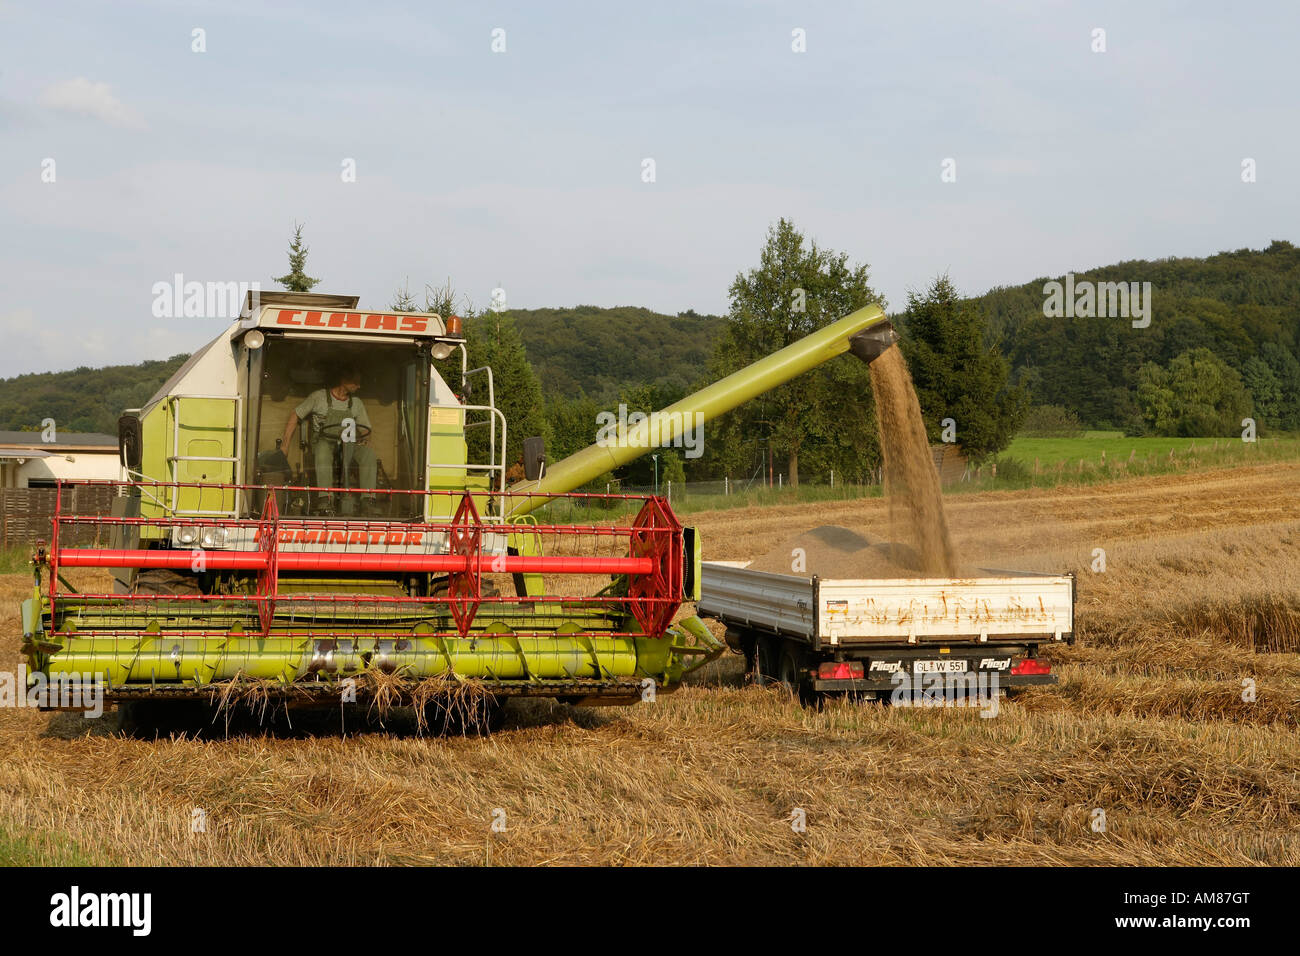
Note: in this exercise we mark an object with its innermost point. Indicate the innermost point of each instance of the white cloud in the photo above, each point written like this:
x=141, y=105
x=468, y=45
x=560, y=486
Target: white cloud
x=79, y=95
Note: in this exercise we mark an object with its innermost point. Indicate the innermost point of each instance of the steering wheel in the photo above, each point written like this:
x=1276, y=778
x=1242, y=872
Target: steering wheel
x=335, y=432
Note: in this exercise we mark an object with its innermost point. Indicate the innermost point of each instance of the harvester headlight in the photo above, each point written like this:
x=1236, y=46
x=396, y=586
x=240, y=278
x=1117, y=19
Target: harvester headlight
x=254, y=339
x=185, y=535
x=213, y=538
x=441, y=349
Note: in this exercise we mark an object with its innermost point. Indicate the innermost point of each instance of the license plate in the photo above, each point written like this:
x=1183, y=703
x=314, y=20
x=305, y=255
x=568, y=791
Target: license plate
x=939, y=667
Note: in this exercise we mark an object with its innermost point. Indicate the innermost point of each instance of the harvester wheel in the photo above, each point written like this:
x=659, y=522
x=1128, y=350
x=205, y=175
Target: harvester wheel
x=164, y=581
x=487, y=718
x=150, y=719
x=469, y=718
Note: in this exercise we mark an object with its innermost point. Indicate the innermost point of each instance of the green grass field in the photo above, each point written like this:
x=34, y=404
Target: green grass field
x=15, y=559
x=1091, y=446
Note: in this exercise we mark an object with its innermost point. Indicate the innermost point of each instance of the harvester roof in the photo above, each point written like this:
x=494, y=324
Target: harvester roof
x=212, y=370
x=314, y=312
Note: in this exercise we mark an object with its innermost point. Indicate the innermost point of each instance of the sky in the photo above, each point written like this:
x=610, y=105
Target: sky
x=524, y=167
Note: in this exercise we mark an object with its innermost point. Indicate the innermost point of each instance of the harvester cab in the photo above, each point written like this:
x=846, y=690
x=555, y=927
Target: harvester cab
x=318, y=508
x=267, y=405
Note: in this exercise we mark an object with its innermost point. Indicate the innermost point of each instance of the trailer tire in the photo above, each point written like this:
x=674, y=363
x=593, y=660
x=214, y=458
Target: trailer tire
x=792, y=680
x=746, y=643
x=767, y=661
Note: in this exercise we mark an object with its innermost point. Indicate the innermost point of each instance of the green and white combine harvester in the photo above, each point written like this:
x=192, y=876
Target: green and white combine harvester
x=236, y=561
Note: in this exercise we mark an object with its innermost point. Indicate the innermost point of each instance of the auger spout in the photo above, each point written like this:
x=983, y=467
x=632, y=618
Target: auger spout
x=866, y=333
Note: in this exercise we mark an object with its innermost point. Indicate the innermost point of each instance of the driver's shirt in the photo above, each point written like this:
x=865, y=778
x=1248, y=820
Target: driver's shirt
x=320, y=403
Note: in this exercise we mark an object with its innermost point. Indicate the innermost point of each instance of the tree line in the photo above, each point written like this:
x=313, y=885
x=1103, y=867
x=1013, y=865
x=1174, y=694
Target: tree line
x=1221, y=346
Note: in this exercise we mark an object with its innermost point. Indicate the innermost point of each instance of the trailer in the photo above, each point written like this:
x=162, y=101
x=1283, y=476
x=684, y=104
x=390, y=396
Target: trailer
x=895, y=638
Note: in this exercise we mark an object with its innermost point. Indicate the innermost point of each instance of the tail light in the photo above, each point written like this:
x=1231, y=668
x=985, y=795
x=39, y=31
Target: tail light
x=1031, y=666
x=840, y=670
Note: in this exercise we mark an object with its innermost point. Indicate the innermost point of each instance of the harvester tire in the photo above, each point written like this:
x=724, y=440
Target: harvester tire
x=481, y=718
x=164, y=581
x=152, y=719
x=487, y=719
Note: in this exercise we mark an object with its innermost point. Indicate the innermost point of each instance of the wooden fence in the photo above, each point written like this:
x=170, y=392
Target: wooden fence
x=25, y=513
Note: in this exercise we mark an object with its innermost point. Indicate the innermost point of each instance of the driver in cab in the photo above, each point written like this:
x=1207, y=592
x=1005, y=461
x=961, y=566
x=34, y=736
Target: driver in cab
x=338, y=417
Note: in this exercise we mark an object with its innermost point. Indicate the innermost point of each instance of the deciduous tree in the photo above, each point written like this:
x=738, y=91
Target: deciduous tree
x=823, y=417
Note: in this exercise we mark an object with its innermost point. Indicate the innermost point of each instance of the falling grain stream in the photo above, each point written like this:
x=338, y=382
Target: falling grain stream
x=911, y=482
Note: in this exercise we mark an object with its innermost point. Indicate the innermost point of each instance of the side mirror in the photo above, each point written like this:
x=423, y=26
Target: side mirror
x=534, y=457
x=128, y=441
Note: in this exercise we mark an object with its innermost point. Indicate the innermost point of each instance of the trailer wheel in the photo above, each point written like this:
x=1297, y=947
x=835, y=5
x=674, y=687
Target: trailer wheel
x=766, y=661
x=746, y=643
x=793, y=680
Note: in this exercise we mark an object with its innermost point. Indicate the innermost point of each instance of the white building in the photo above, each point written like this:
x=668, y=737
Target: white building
x=28, y=462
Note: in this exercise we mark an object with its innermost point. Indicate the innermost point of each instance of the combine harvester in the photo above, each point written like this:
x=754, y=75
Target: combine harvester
x=362, y=554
